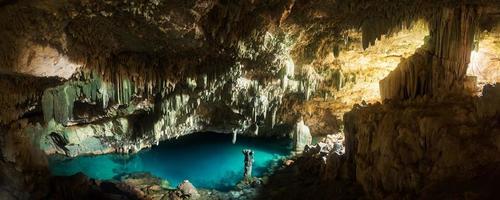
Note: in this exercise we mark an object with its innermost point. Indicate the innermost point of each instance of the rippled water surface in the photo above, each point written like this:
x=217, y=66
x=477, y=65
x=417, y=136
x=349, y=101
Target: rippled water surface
x=208, y=160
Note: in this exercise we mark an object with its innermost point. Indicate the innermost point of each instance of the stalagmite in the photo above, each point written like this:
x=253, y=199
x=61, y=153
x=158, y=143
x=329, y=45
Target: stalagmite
x=234, y=137
x=248, y=162
x=301, y=136
x=273, y=116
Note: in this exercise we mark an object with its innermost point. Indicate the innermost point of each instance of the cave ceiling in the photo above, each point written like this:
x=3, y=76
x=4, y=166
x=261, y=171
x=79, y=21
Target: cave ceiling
x=184, y=36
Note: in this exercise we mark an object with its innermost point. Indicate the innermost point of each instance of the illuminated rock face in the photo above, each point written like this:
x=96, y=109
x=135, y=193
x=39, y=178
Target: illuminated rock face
x=301, y=136
x=485, y=64
x=45, y=61
x=440, y=66
x=351, y=77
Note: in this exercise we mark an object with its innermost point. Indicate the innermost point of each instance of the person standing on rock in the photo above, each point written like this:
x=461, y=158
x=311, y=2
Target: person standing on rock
x=248, y=162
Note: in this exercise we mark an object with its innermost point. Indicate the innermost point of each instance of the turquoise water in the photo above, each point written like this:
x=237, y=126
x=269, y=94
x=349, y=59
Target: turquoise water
x=208, y=160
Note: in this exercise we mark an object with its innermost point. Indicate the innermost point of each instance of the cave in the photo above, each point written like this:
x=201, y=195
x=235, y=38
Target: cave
x=250, y=99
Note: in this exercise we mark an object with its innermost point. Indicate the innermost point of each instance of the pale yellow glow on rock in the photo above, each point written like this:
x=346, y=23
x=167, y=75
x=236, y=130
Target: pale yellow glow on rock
x=485, y=61
x=361, y=70
x=371, y=65
x=42, y=61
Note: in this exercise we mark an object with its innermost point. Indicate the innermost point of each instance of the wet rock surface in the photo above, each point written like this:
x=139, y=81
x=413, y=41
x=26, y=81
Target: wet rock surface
x=142, y=186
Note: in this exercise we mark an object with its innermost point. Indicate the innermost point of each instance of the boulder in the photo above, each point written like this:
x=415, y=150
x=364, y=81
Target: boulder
x=188, y=190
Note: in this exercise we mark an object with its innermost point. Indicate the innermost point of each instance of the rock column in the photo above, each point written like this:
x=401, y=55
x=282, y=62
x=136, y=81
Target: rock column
x=441, y=64
x=234, y=137
x=248, y=162
x=301, y=136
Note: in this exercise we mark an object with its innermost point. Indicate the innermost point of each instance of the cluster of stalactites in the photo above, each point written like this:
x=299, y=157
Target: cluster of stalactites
x=309, y=81
x=263, y=101
x=440, y=65
x=147, y=77
x=58, y=102
x=178, y=110
x=177, y=116
x=374, y=28
x=100, y=89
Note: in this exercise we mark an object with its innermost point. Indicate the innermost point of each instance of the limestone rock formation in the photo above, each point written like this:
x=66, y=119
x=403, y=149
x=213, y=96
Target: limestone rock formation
x=249, y=159
x=301, y=136
x=440, y=66
x=400, y=150
x=188, y=190
x=97, y=116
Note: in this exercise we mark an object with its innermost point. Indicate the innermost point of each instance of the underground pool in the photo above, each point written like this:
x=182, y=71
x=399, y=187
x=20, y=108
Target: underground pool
x=208, y=160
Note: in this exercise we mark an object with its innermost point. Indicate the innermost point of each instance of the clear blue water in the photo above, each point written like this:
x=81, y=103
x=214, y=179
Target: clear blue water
x=208, y=160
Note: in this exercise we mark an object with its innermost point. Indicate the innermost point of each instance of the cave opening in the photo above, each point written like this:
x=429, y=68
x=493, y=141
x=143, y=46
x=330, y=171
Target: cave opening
x=208, y=160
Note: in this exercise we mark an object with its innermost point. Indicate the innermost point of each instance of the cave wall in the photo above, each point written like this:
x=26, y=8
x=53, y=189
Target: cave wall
x=95, y=116
x=434, y=136
x=409, y=149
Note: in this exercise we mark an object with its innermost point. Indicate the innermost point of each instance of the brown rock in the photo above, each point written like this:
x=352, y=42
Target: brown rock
x=187, y=189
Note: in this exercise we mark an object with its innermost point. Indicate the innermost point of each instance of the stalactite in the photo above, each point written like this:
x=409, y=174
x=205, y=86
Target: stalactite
x=372, y=29
x=273, y=116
